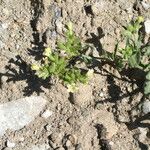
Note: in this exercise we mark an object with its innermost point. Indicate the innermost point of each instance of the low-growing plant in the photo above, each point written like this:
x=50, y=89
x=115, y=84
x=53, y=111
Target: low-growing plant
x=63, y=63
x=135, y=54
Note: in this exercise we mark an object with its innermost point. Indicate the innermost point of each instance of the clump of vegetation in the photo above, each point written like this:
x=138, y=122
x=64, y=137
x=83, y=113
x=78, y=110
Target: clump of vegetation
x=135, y=54
x=64, y=62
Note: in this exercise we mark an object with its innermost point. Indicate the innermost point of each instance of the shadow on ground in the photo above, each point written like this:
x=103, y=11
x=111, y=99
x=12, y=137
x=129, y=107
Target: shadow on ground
x=24, y=73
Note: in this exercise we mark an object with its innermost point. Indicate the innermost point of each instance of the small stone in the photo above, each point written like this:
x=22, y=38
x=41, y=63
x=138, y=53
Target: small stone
x=4, y=79
x=146, y=6
x=10, y=144
x=111, y=143
x=59, y=26
x=123, y=119
x=147, y=26
x=53, y=34
x=143, y=135
x=56, y=138
x=101, y=94
x=104, y=89
x=99, y=106
x=4, y=25
x=73, y=139
x=68, y=143
x=146, y=107
x=48, y=127
x=129, y=89
x=47, y=114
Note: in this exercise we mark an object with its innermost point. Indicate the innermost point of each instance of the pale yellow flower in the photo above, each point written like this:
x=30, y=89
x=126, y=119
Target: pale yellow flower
x=140, y=19
x=35, y=67
x=47, y=52
x=72, y=88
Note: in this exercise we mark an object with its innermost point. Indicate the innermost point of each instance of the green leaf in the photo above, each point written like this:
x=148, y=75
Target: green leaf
x=134, y=61
x=147, y=88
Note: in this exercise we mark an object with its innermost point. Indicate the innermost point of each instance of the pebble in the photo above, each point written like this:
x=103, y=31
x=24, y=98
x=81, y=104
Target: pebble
x=17, y=114
x=4, y=25
x=53, y=34
x=47, y=114
x=59, y=26
x=123, y=119
x=56, y=137
x=10, y=144
x=68, y=143
x=147, y=26
x=143, y=134
x=145, y=5
x=146, y=107
x=48, y=127
x=101, y=94
x=4, y=79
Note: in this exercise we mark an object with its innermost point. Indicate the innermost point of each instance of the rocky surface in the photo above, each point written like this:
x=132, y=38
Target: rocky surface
x=107, y=114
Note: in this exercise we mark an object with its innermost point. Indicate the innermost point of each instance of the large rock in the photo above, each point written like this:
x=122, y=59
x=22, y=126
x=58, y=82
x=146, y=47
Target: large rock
x=17, y=114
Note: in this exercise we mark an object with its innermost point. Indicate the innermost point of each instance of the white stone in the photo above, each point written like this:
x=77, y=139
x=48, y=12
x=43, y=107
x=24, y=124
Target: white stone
x=48, y=127
x=47, y=114
x=4, y=25
x=10, y=144
x=146, y=107
x=143, y=135
x=147, y=26
x=17, y=114
x=101, y=94
x=145, y=5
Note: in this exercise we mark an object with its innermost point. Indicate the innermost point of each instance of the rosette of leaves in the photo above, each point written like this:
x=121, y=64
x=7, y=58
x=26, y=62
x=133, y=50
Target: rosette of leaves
x=62, y=63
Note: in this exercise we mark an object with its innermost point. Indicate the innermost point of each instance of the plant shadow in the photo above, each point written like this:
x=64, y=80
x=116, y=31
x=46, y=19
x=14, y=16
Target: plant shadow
x=24, y=73
x=38, y=38
x=95, y=40
x=138, y=122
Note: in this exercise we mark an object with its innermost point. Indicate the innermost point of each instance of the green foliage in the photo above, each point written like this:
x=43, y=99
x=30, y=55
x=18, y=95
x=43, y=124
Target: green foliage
x=132, y=53
x=63, y=62
x=72, y=46
x=135, y=54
